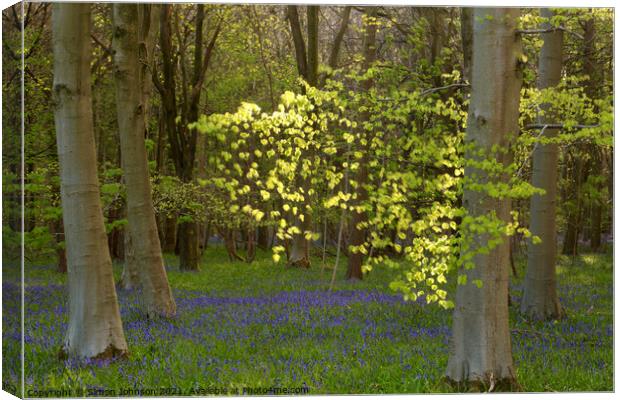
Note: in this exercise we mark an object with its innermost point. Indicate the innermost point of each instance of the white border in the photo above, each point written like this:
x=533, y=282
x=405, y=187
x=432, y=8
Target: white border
x=484, y=3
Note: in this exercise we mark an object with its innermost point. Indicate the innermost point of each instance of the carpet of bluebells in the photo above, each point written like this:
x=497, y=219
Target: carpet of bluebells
x=262, y=325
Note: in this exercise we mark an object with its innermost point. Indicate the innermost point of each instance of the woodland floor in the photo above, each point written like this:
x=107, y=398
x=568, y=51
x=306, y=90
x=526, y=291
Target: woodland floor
x=261, y=325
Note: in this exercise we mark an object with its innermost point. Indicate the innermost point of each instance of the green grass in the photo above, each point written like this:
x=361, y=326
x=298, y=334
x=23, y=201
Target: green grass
x=261, y=325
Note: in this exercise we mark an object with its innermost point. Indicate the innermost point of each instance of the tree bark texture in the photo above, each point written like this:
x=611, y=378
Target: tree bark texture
x=145, y=261
x=480, y=349
x=95, y=329
x=540, y=299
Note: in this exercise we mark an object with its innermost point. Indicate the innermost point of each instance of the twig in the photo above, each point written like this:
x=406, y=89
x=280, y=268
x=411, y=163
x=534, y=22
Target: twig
x=542, y=131
x=559, y=126
x=550, y=30
x=433, y=90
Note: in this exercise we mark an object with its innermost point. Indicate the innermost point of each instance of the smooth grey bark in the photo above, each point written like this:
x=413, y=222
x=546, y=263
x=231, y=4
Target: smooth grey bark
x=144, y=264
x=480, y=349
x=540, y=299
x=95, y=328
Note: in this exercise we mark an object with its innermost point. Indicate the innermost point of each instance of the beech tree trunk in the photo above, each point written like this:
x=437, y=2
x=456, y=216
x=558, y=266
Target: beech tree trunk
x=480, y=350
x=144, y=264
x=95, y=329
x=540, y=298
x=359, y=218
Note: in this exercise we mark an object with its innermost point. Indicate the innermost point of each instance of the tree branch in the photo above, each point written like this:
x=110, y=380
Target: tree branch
x=107, y=49
x=437, y=89
x=344, y=24
x=206, y=60
x=550, y=30
x=558, y=126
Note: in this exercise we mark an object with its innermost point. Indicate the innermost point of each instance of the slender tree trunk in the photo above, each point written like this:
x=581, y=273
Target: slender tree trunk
x=262, y=237
x=359, y=218
x=467, y=26
x=590, y=68
x=437, y=39
x=571, y=236
x=596, y=216
x=145, y=261
x=182, y=139
x=170, y=234
x=307, y=58
x=298, y=40
x=95, y=329
x=299, y=255
x=480, y=350
x=189, y=255
x=344, y=24
x=313, y=44
x=540, y=299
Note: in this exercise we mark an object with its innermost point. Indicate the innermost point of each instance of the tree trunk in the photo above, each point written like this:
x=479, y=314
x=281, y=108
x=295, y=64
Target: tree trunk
x=596, y=216
x=436, y=41
x=590, y=68
x=298, y=41
x=189, y=256
x=307, y=67
x=169, y=230
x=571, y=237
x=262, y=237
x=344, y=24
x=182, y=139
x=313, y=44
x=95, y=329
x=116, y=238
x=480, y=350
x=540, y=299
x=467, y=25
x=359, y=218
x=145, y=260
x=299, y=255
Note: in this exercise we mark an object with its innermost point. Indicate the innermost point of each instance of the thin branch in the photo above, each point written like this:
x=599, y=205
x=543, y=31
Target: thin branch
x=542, y=131
x=550, y=30
x=559, y=126
x=437, y=89
x=205, y=64
x=433, y=90
x=107, y=49
x=542, y=128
